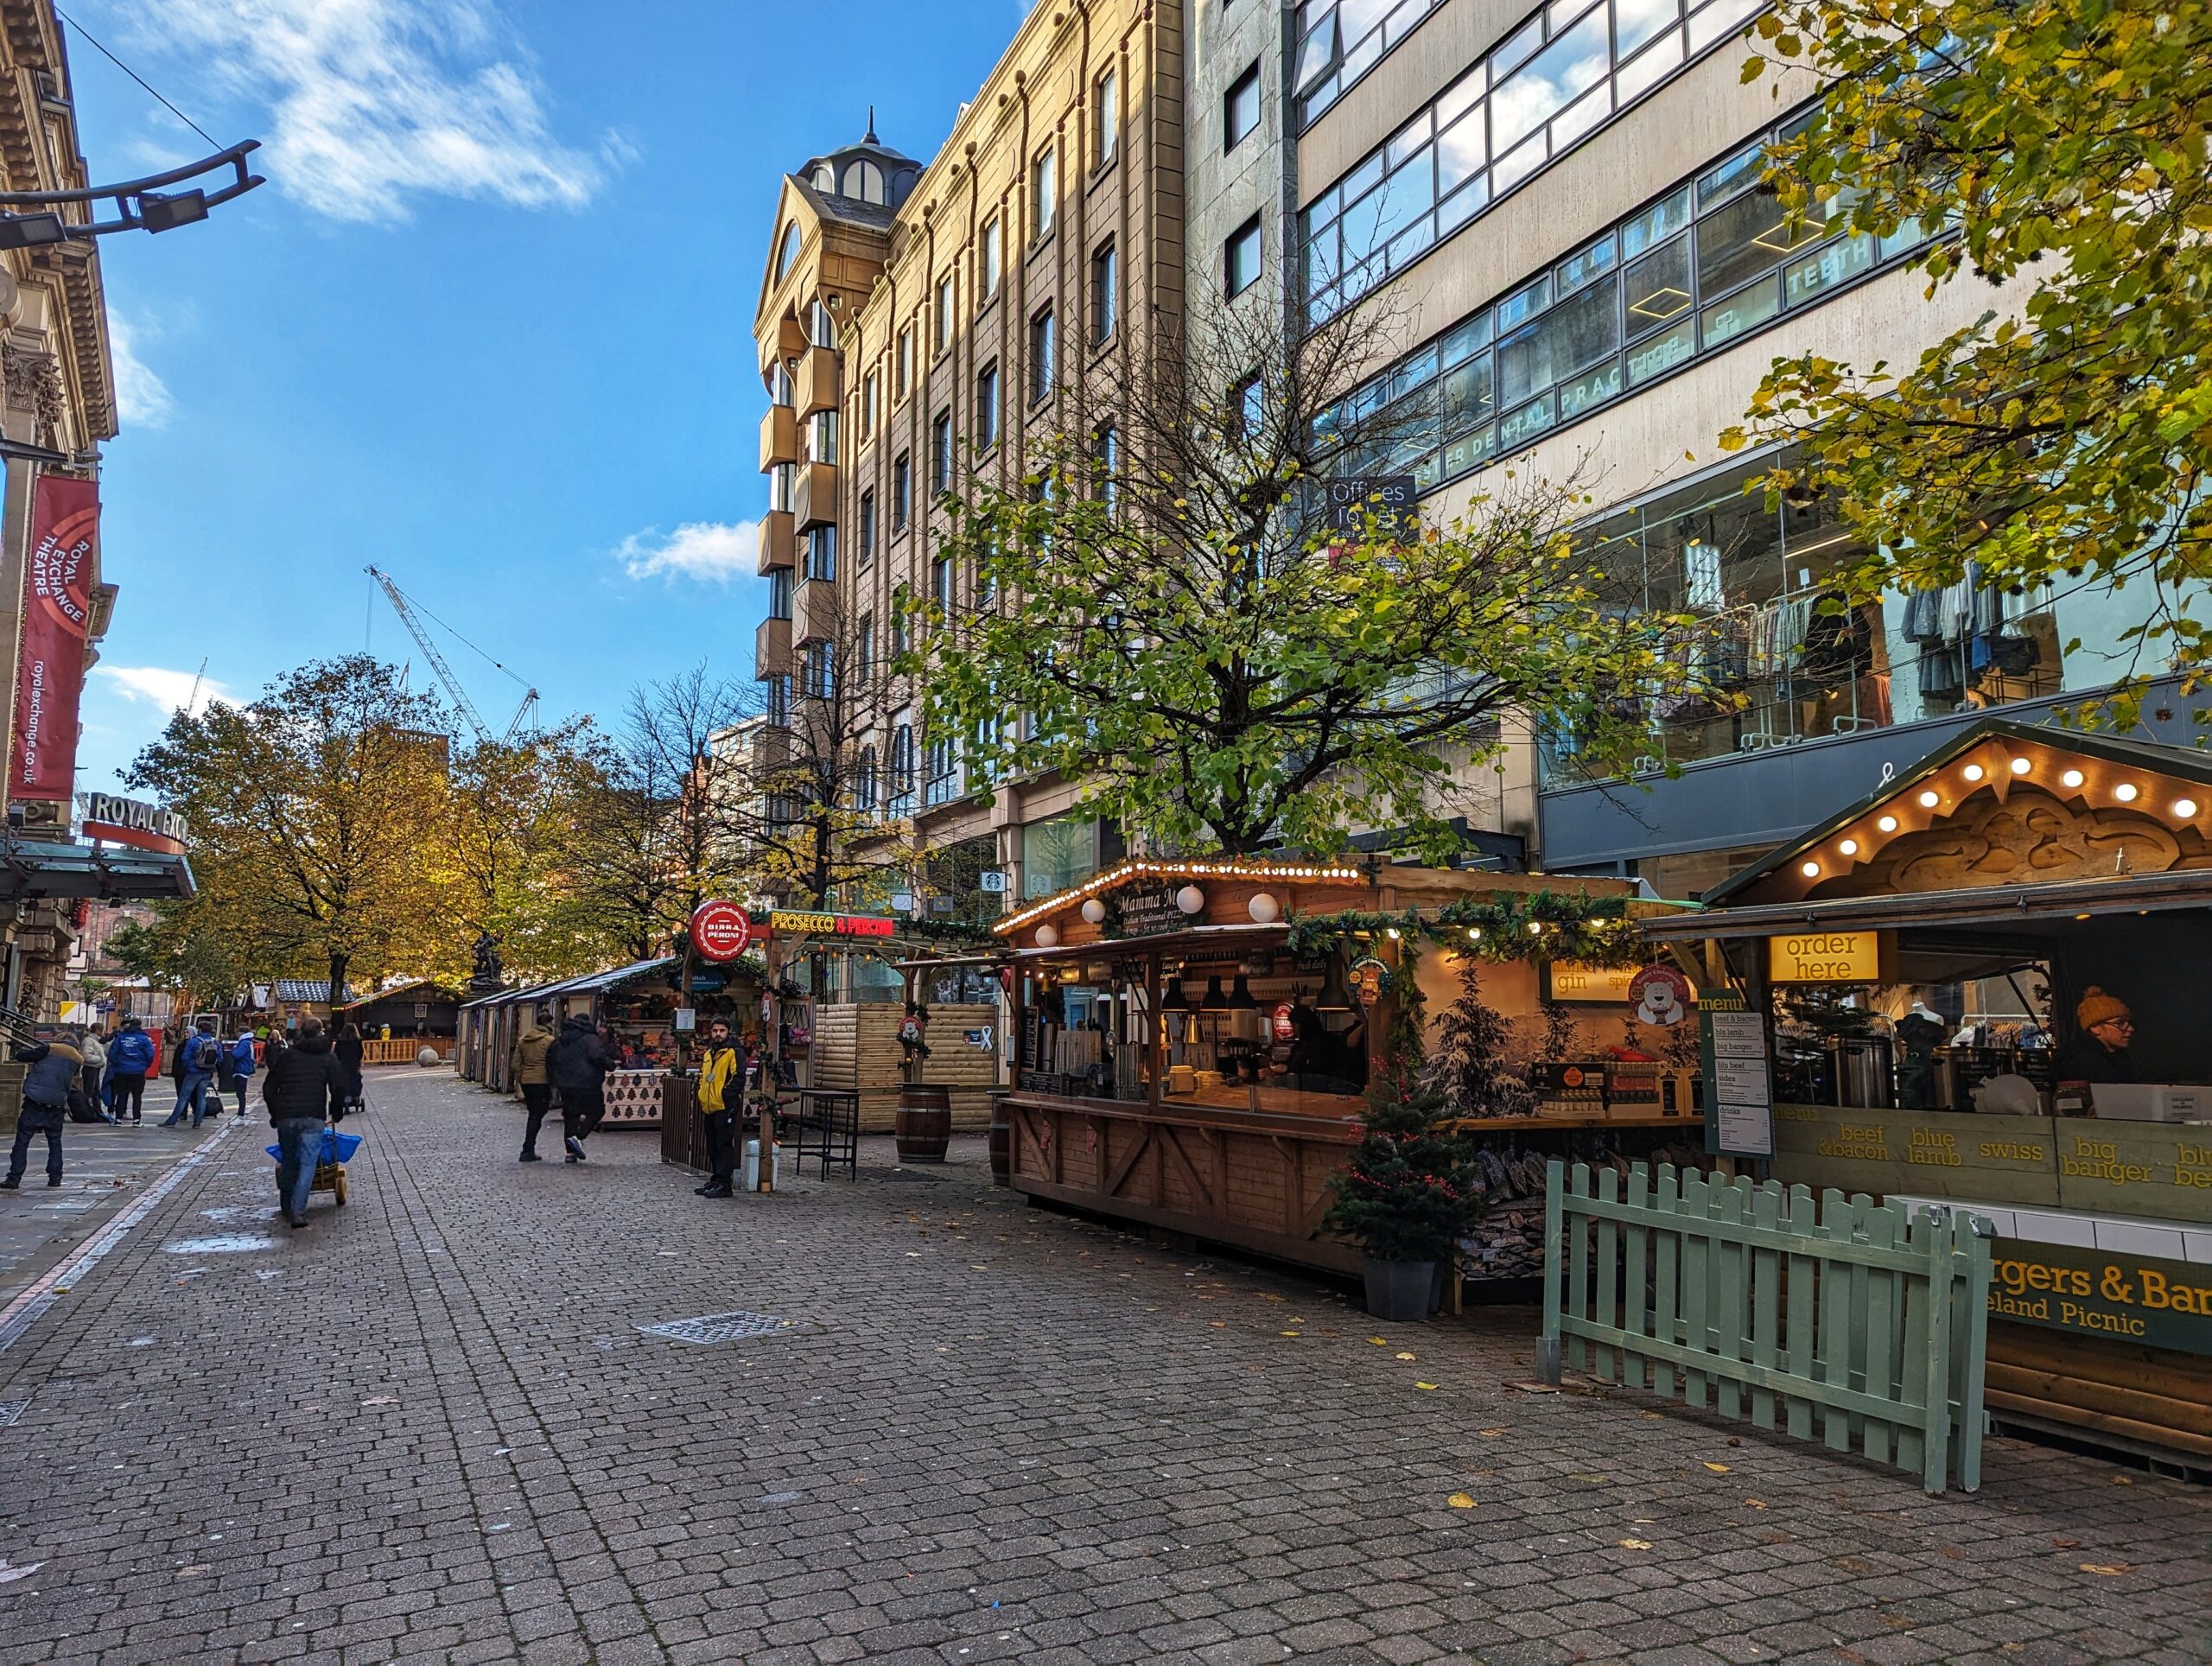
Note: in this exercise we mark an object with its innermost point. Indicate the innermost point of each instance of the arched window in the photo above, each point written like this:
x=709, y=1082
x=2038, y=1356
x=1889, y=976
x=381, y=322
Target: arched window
x=823, y=177
x=787, y=252
x=864, y=180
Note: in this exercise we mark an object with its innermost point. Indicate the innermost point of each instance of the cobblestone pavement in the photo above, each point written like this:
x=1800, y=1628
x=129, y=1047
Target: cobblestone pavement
x=104, y=1168
x=431, y=1428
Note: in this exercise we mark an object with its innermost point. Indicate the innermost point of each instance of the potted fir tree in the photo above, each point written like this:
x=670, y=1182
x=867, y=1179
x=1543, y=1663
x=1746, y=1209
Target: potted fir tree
x=1409, y=1196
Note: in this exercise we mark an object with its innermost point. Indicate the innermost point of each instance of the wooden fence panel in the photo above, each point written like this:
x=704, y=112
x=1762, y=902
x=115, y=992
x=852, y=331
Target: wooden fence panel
x=1863, y=1325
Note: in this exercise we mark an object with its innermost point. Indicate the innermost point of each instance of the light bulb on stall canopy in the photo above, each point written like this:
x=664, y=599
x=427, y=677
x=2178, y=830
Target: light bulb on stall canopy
x=1887, y=824
x=2021, y=766
x=1973, y=771
x=1811, y=870
x=1094, y=910
x=1474, y=934
x=1535, y=928
x=1849, y=847
x=1930, y=798
x=1391, y=932
x=2126, y=792
x=2185, y=809
x=2072, y=778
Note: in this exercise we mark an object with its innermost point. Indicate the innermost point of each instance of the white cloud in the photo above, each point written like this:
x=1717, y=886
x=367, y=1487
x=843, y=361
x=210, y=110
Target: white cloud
x=157, y=686
x=707, y=550
x=142, y=399
x=371, y=102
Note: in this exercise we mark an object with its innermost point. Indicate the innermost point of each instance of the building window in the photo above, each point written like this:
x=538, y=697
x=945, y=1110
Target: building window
x=821, y=682
x=1044, y=194
x=783, y=484
x=944, y=312
x=1240, y=108
x=903, y=364
x=1340, y=43
x=820, y=438
x=864, y=782
x=780, y=383
x=941, y=782
x=1240, y=260
x=1043, y=347
x=867, y=527
x=778, y=712
x=941, y=584
x=821, y=550
x=780, y=592
x=1105, y=291
x=1251, y=401
x=820, y=328
x=941, y=453
x=864, y=656
x=991, y=259
x=1106, y=460
x=871, y=392
x=1058, y=853
x=986, y=408
x=902, y=491
x=1107, y=117
x=787, y=252
x=1686, y=275
x=899, y=637
x=1528, y=102
x=902, y=770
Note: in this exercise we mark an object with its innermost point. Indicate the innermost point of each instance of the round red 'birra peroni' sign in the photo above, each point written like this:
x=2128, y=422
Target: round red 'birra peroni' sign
x=719, y=929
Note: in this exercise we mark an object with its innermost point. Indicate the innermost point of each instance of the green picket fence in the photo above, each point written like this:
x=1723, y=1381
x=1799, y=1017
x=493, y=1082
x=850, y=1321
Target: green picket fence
x=1866, y=1323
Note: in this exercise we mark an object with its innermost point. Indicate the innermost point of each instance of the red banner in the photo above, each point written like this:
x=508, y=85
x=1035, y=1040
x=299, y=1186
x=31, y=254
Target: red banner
x=57, y=611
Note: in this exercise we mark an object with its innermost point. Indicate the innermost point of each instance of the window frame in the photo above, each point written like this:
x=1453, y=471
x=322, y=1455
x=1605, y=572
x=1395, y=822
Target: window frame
x=1248, y=82
x=864, y=550
x=1106, y=119
x=1044, y=353
x=902, y=492
x=1044, y=194
x=987, y=414
x=990, y=259
x=1252, y=231
x=944, y=309
x=902, y=367
x=941, y=459
x=1105, y=296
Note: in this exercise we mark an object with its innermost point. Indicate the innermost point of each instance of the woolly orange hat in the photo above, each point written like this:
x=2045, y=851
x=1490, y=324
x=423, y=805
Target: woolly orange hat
x=2098, y=1007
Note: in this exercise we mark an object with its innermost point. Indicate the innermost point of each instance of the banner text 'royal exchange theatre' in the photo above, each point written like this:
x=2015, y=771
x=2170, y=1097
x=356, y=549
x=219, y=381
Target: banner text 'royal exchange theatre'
x=57, y=612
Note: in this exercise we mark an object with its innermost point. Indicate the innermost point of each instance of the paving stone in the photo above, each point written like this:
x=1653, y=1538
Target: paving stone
x=986, y=1432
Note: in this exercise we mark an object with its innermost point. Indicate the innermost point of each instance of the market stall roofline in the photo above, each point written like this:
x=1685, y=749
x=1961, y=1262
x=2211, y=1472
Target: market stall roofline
x=576, y=985
x=1216, y=868
x=1189, y=941
x=2183, y=763
x=1995, y=904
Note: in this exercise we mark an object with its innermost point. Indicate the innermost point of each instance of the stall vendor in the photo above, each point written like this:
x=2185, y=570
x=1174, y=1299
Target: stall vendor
x=2099, y=1051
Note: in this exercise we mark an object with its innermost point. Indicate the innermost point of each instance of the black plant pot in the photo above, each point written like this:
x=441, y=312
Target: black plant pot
x=1400, y=1290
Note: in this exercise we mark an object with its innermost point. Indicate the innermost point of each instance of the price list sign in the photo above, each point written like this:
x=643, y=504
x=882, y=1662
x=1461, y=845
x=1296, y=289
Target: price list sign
x=1740, y=1086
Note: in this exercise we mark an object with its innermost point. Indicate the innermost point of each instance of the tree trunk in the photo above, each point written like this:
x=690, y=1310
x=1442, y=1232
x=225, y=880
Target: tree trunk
x=338, y=963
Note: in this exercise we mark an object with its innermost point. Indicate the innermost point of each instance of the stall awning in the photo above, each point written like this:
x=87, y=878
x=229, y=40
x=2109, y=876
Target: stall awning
x=2132, y=894
x=30, y=869
x=582, y=985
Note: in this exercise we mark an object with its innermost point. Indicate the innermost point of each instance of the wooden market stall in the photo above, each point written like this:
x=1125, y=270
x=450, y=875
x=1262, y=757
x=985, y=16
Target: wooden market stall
x=1192, y=1042
x=1931, y=967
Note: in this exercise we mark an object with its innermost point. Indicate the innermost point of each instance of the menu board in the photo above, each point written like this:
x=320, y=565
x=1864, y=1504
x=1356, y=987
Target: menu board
x=1739, y=1091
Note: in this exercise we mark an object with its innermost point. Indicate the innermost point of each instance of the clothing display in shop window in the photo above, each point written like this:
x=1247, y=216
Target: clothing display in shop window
x=1968, y=629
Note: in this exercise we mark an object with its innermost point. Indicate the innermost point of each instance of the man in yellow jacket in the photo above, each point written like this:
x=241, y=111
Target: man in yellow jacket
x=526, y=1069
x=721, y=1091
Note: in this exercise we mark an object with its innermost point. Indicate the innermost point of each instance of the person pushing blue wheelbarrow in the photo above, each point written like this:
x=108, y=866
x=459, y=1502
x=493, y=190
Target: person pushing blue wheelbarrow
x=306, y=1091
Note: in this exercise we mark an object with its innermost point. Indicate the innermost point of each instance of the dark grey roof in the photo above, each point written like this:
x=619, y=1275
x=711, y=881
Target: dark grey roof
x=303, y=988
x=876, y=216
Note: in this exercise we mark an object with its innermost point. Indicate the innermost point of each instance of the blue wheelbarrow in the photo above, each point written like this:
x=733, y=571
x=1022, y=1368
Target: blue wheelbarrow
x=330, y=1162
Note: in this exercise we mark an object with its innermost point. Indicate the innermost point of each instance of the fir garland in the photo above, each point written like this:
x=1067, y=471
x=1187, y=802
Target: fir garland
x=1538, y=925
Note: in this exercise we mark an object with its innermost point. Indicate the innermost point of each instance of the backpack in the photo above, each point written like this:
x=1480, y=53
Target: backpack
x=210, y=1055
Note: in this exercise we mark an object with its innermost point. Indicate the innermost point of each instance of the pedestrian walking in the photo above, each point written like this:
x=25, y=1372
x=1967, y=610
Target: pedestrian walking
x=577, y=1064
x=94, y=1051
x=242, y=1066
x=303, y=1088
x=722, y=1090
x=198, y=1055
x=129, y=1057
x=51, y=1079
x=347, y=1050
x=526, y=1069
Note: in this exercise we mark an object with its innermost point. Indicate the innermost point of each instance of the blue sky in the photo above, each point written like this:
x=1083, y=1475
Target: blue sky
x=488, y=325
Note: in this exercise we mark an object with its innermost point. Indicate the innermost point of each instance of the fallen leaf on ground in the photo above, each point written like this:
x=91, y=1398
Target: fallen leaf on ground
x=1290, y=1333
x=1378, y=1341
x=1264, y=1296
x=1636, y=1544
x=1460, y=1501
x=1425, y=1385
x=1217, y=1323
x=1405, y=1355
x=381, y=1400
x=2065, y=1544
x=1492, y=1435
x=2123, y=1480
x=1718, y=1469
x=2109, y=1570
x=1755, y=1504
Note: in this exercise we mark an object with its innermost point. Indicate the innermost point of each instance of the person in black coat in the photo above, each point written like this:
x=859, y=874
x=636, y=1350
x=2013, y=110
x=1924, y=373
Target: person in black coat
x=347, y=1049
x=577, y=1064
x=303, y=1087
x=46, y=1087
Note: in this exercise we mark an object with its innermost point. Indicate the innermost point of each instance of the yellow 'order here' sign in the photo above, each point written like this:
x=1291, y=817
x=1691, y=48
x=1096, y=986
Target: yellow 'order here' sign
x=1812, y=956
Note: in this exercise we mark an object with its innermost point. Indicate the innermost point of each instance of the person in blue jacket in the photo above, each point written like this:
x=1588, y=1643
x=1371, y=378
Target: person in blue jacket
x=242, y=1066
x=129, y=1058
x=202, y=1052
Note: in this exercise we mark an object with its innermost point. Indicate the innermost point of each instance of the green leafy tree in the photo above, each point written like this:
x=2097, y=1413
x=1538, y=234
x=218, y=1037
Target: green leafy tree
x=1162, y=608
x=2067, y=432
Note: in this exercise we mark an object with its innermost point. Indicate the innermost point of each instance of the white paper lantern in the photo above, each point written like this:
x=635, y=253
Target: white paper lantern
x=1264, y=908
x=1046, y=937
x=1094, y=910
x=1190, y=900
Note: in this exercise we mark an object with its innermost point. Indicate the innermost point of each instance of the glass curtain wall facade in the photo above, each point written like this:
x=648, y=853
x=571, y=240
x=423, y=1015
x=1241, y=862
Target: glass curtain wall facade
x=1524, y=104
x=1689, y=274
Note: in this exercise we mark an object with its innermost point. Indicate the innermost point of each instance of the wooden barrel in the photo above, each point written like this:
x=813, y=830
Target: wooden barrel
x=1002, y=1142
x=923, y=1124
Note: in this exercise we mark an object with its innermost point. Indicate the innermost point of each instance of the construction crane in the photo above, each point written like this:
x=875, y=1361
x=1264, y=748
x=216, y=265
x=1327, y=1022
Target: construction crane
x=408, y=611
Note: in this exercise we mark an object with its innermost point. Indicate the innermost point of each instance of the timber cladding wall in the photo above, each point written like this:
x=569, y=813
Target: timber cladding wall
x=856, y=1046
